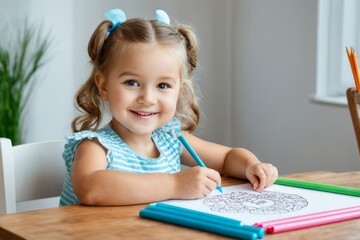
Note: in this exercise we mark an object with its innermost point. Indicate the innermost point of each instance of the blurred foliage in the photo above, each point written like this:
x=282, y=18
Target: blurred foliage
x=20, y=58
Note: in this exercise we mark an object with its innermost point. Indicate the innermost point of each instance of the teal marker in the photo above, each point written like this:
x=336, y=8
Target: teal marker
x=193, y=214
x=192, y=152
x=240, y=231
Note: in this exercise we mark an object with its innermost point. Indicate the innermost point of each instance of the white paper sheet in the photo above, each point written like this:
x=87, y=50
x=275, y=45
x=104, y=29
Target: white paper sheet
x=241, y=202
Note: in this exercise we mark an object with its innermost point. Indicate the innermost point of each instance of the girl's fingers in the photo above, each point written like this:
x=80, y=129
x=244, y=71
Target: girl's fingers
x=215, y=177
x=262, y=175
x=254, y=180
x=274, y=176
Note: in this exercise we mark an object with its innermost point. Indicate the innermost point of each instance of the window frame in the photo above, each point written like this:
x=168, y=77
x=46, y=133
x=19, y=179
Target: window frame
x=335, y=30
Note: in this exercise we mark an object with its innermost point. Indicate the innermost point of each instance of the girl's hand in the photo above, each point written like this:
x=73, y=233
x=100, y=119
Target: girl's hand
x=195, y=182
x=261, y=175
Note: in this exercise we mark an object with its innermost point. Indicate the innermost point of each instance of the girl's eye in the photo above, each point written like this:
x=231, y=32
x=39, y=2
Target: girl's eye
x=131, y=83
x=164, y=85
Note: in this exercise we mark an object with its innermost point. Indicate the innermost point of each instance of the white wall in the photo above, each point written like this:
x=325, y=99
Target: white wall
x=256, y=74
x=275, y=69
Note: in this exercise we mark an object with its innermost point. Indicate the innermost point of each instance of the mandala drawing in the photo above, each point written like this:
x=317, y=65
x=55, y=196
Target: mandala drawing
x=259, y=203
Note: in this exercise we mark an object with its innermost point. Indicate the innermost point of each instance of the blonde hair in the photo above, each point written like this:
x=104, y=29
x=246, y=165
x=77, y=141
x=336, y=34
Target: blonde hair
x=103, y=50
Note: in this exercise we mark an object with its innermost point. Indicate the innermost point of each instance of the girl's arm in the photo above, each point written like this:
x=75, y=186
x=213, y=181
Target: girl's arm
x=94, y=185
x=235, y=162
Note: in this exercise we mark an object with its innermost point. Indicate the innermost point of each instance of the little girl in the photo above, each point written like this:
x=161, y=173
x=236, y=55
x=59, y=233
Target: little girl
x=142, y=71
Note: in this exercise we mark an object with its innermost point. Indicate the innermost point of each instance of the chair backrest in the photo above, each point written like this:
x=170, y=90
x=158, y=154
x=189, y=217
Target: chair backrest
x=31, y=175
x=353, y=98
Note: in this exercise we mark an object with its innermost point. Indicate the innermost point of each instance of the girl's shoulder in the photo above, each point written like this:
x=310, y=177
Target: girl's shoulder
x=103, y=135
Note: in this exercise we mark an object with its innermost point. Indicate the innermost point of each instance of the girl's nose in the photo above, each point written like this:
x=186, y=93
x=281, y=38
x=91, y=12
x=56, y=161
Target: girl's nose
x=147, y=97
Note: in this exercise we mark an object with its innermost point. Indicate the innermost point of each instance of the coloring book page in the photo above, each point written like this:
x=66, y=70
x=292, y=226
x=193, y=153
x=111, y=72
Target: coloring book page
x=242, y=203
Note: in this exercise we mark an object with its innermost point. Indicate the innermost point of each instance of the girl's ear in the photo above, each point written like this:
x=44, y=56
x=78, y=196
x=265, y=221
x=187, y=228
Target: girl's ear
x=101, y=86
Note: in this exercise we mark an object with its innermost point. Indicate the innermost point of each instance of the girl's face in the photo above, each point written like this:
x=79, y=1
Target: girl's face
x=142, y=90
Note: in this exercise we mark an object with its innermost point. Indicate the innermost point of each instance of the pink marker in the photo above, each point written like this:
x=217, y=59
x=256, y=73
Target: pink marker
x=315, y=221
x=306, y=217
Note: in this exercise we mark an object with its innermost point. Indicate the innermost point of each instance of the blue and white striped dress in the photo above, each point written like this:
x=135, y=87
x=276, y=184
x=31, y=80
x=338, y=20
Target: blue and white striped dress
x=122, y=158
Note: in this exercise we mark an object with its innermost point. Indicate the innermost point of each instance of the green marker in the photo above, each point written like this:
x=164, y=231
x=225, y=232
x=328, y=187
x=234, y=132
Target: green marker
x=319, y=186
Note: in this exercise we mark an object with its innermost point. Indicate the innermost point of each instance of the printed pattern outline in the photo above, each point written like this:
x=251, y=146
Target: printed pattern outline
x=259, y=203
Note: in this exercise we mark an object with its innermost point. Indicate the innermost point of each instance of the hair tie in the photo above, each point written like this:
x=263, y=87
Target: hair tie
x=162, y=16
x=117, y=17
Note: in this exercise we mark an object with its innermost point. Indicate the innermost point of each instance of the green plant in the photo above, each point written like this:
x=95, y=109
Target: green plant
x=18, y=66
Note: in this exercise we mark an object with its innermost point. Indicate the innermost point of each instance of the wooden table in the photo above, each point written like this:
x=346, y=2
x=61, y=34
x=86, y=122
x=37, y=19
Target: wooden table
x=84, y=222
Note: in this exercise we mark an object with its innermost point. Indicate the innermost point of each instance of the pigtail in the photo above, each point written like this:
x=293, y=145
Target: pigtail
x=88, y=103
x=96, y=42
x=188, y=109
x=191, y=46
x=87, y=98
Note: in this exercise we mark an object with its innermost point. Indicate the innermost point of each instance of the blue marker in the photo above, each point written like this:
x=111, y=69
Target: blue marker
x=192, y=152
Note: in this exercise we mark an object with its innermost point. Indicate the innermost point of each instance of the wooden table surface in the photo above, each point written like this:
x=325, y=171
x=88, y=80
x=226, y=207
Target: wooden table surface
x=84, y=222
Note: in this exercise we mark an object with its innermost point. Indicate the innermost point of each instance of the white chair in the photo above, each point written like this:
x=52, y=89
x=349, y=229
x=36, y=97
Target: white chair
x=31, y=175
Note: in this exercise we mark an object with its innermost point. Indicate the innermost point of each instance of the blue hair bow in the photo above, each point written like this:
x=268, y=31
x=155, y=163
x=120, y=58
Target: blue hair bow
x=117, y=17
x=162, y=16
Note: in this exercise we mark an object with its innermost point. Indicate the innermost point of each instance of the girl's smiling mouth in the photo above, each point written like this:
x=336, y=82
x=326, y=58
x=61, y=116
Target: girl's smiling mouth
x=143, y=115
